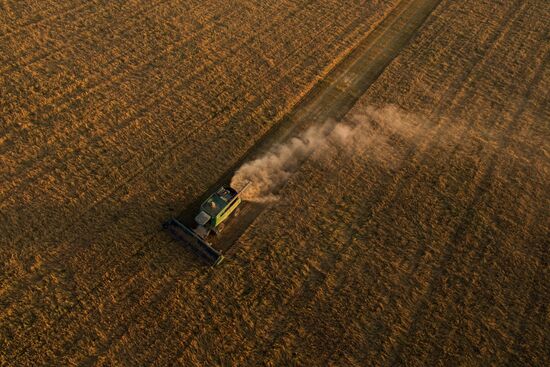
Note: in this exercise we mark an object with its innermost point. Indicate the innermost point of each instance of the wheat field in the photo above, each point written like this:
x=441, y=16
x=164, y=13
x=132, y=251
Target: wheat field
x=423, y=240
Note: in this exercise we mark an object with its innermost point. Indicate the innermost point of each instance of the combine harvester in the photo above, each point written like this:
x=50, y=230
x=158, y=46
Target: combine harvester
x=213, y=211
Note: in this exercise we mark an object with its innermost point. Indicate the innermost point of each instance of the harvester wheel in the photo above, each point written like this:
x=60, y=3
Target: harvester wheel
x=219, y=229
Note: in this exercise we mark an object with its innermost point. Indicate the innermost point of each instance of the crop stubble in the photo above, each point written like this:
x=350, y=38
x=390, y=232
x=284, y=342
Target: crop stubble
x=88, y=152
x=447, y=257
x=433, y=251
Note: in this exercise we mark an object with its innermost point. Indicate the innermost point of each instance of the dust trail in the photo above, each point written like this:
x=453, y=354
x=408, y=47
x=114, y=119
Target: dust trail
x=268, y=173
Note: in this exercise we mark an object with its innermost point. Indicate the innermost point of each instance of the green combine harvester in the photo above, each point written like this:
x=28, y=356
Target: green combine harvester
x=213, y=212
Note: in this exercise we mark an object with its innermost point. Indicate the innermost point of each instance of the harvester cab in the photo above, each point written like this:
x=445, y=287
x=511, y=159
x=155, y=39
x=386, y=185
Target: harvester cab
x=213, y=211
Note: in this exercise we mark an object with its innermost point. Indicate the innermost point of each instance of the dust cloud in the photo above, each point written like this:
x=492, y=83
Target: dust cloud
x=367, y=128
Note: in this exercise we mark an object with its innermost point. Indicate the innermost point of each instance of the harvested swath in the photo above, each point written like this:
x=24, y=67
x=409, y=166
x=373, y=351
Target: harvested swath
x=110, y=123
x=424, y=244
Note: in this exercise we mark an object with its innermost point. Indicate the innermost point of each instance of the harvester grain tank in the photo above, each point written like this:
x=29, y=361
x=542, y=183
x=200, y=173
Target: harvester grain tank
x=213, y=212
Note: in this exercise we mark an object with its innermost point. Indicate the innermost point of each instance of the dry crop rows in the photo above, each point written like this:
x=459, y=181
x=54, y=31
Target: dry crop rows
x=113, y=113
x=425, y=244
x=429, y=243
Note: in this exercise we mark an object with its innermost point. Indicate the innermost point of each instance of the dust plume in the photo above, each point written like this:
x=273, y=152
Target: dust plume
x=268, y=173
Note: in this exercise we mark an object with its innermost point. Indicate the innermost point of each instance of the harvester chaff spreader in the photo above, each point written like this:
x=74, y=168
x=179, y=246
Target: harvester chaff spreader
x=213, y=212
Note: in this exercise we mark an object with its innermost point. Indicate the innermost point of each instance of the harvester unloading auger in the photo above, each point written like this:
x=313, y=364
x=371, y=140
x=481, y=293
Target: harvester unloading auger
x=213, y=211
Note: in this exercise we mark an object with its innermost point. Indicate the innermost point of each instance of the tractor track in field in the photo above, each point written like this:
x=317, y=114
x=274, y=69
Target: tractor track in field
x=338, y=92
x=419, y=253
x=331, y=98
x=132, y=177
x=415, y=152
x=475, y=66
x=35, y=176
x=137, y=173
x=315, y=108
x=460, y=93
x=143, y=110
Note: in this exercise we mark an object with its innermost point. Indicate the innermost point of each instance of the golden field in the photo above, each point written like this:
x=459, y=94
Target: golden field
x=422, y=241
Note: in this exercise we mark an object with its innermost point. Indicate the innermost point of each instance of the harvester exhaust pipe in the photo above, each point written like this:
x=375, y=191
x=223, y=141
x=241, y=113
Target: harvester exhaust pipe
x=246, y=186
